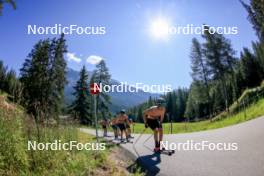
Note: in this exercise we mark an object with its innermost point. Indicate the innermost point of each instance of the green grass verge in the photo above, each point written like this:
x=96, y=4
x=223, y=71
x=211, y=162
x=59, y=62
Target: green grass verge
x=16, y=129
x=253, y=111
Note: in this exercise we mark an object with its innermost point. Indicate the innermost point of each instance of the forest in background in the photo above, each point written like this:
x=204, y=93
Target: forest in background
x=219, y=77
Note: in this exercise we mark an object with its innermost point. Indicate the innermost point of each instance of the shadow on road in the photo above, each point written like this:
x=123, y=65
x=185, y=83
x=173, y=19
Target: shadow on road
x=149, y=163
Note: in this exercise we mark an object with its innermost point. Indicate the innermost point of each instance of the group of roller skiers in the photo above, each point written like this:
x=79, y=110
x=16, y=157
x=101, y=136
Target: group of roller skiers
x=121, y=126
x=153, y=118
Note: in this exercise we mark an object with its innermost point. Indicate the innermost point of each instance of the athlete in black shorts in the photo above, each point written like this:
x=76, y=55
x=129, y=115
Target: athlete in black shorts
x=122, y=120
x=154, y=123
x=153, y=118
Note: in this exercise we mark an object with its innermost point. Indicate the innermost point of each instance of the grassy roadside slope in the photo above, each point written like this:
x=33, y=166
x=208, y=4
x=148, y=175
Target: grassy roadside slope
x=16, y=129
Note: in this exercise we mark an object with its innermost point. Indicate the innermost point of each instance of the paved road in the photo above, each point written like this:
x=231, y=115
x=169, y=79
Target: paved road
x=248, y=160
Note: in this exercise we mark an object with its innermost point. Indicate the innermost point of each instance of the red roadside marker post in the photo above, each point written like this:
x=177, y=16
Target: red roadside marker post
x=95, y=90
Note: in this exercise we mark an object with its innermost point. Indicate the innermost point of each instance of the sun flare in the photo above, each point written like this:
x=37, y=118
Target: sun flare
x=159, y=28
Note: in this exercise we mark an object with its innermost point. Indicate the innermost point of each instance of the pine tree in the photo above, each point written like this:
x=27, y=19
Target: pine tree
x=58, y=73
x=220, y=60
x=181, y=101
x=258, y=50
x=3, y=70
x=102, y=77
x=34, y=77
x=150, y=101
x=43, y=79
x=198, y=65
x=200, y=73
x=11, y=83
x=81, y=106
x=218, y=102
x=250, y=69
x=191, y=105
x=197, y=103
x=140, y=114
x=256, y=16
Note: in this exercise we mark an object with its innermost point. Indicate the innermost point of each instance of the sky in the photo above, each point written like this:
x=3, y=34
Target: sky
x=131, y=51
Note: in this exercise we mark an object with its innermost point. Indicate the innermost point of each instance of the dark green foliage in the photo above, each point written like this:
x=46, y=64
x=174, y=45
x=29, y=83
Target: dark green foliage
x=258, y=51
x=140, y=115
x=175, y=103
x=150, y=102
x=215, y=69
x=213, y=72
x=199, y=68
x=58, y=74
x=81, y=107
x=256, y=16
x=200, y=87
x=220, y=60
x=3, y=70
x=255, y=11
x=83, y=104
x=9, y=83
x=250, y=69
x=197, y=103
x=43, y=78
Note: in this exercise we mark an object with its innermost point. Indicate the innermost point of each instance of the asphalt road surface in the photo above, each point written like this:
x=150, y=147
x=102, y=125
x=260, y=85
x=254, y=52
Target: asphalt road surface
x=247, y=160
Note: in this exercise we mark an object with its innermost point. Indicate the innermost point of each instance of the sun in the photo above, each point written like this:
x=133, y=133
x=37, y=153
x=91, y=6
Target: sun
x=159, y=28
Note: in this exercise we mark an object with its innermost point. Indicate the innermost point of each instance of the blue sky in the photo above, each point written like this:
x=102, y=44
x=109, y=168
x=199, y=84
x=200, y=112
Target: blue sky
x=130, y=51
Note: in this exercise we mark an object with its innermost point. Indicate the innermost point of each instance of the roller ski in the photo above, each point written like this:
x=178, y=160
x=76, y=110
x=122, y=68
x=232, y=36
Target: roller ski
x=163, y=151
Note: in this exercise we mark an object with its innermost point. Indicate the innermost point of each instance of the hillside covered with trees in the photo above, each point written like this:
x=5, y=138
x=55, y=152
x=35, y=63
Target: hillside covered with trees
x=219, y=76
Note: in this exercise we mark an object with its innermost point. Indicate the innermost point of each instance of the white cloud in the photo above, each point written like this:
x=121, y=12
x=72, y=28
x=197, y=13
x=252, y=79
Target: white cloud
x=73, y=57
x=93, y=59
